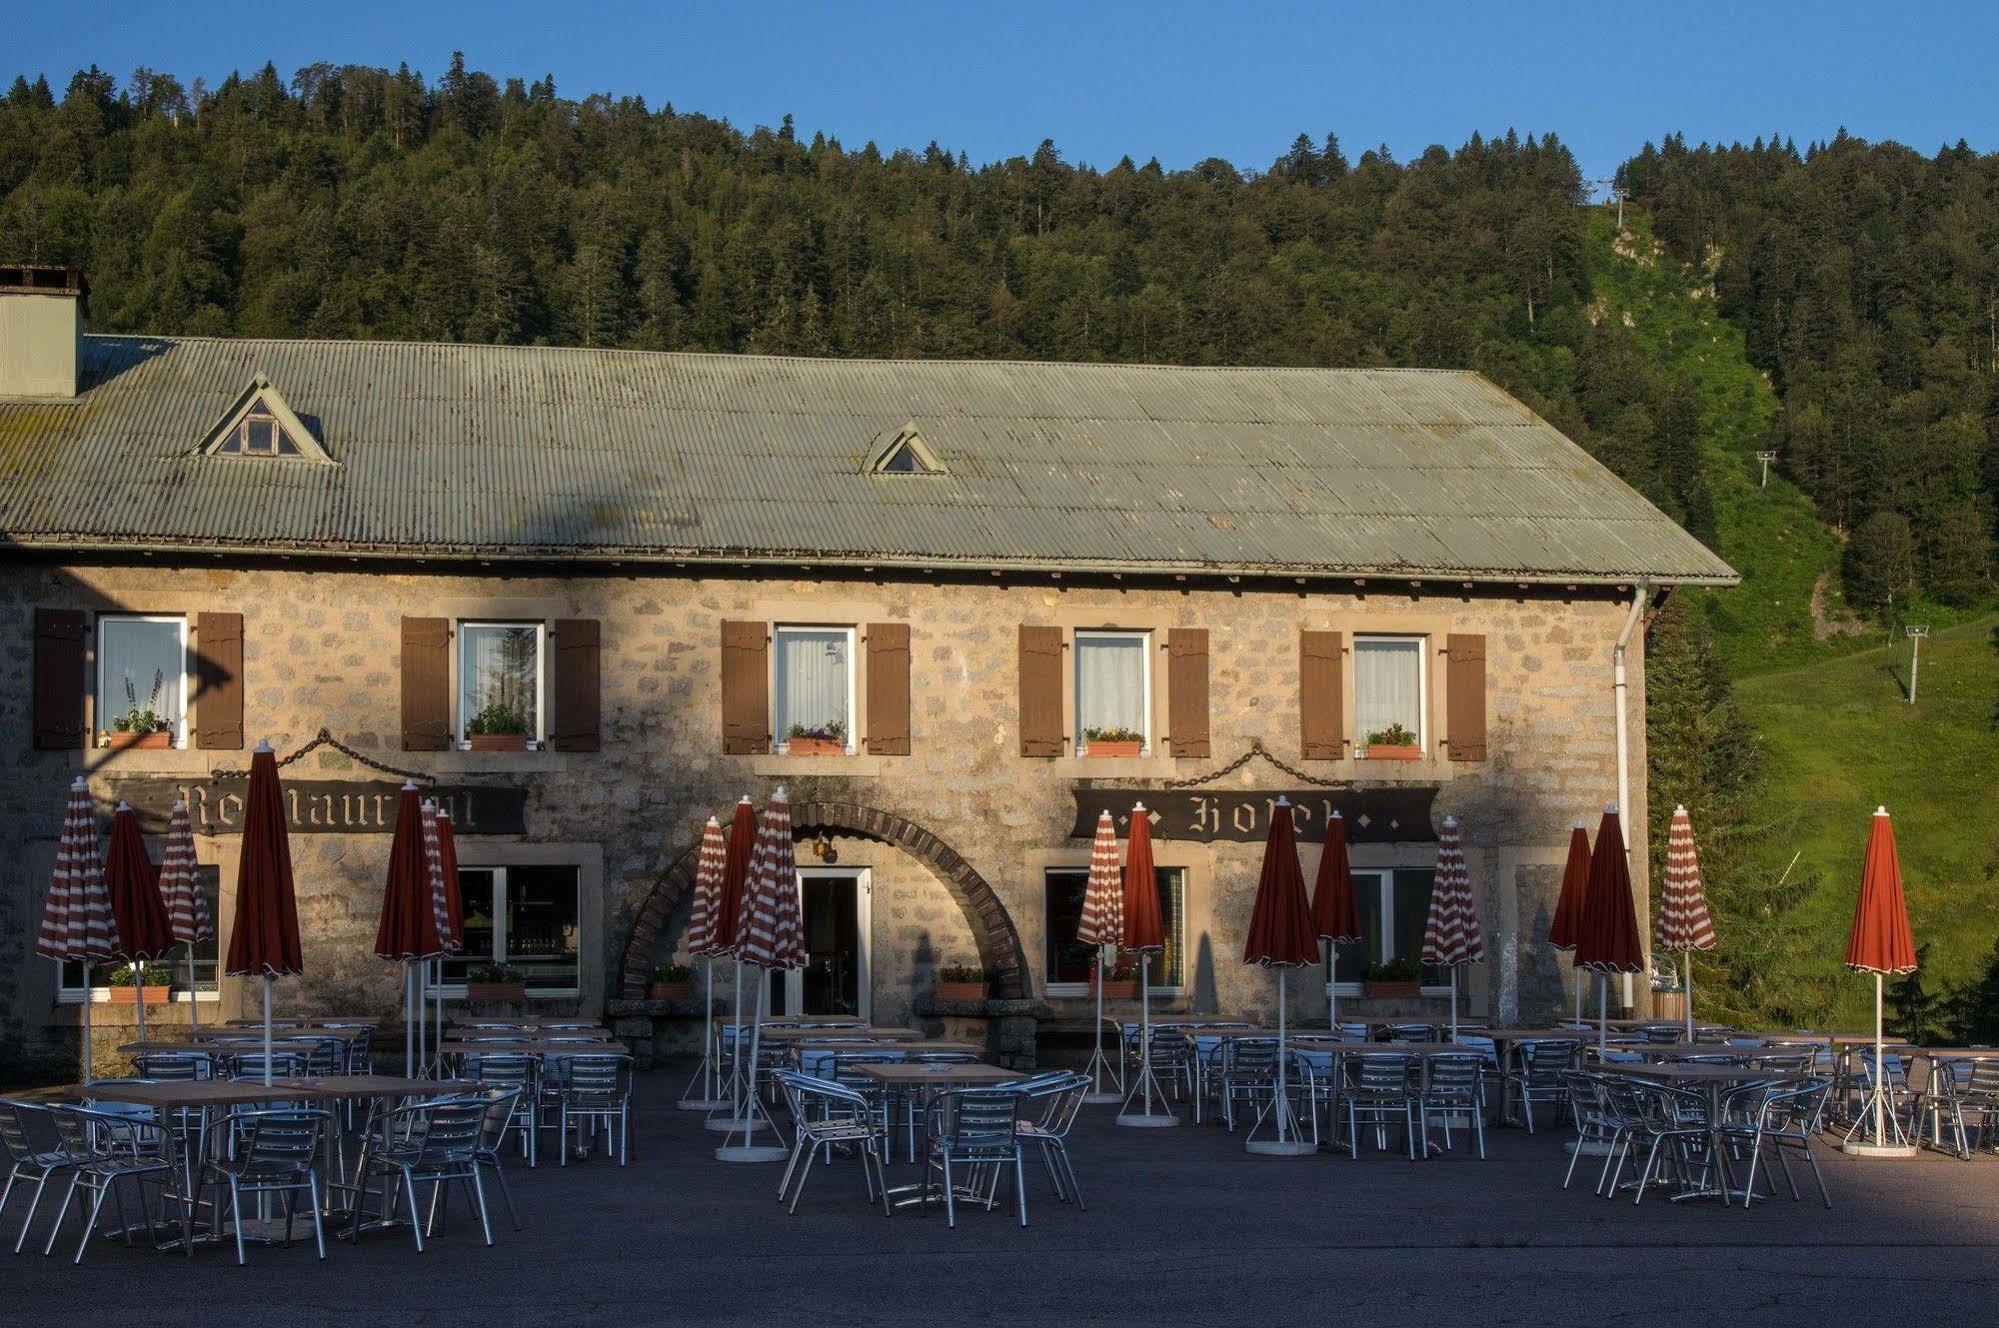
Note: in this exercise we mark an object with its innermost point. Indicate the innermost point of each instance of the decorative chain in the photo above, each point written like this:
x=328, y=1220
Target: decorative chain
x=1256, y=749
x=326, y=739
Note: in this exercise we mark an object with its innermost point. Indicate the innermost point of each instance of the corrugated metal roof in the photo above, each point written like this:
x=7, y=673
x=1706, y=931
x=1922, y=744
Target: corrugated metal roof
x=495, y=451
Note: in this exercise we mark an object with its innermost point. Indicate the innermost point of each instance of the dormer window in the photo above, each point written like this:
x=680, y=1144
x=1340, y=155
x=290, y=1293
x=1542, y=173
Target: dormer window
x=903, y=452
x=260, y=424
x=258, y=434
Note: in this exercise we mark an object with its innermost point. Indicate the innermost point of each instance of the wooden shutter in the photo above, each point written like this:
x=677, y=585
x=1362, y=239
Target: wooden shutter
x=1187, y=691
x=1464, y=697
x=745, y=688
x=59, y=679
x=1040, y=691
x=1321, y=696
x=218, y=681
x=578, y=685
x=888, y=689
x=426, y=684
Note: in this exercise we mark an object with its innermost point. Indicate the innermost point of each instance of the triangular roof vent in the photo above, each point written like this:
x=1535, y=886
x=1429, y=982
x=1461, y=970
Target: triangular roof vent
x=260, y=424
x=903, y=452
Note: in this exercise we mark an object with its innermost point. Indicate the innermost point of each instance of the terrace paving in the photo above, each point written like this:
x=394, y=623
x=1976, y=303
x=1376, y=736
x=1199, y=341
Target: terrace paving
x=1182, y=1228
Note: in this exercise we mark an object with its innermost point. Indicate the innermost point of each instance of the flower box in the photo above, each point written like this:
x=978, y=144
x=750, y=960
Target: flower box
x=1391, y=990
x=496, y=991
x=157, y=740
x=1102, y=748
x=1391, y=752
x=156, y=994
x=497, y=742
x=814, y=747
x=670, y=991
x=1120, y=989
x=961, y=991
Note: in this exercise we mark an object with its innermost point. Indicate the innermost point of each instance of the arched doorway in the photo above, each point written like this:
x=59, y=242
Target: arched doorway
x=992, y=926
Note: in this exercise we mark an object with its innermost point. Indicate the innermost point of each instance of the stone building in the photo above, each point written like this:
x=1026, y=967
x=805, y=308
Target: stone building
x=591, y=598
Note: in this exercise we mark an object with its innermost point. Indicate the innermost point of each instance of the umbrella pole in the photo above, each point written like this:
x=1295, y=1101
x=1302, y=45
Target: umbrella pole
x=1581, y=981
x=1145, y=1026
x=86, y=1021
x=708, y=1030
x=1880, y=1084
x=193, y=996
x=1283, y=1101
x=1332, y=986
x=1454, y=1002
x=267, y=1030
x=139, y=987
x=1688, y=956
x=409, y=1033
x=1602, y=1012
x=749, y=1150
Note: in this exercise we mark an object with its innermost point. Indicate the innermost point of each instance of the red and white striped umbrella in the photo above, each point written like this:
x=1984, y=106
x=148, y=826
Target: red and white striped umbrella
x=180, y=887
x=709, y=865
x=433, y=872
x=1452, y=937
x=77, y=924
x=769, y=933
x=1102, y=922
x=1683, y=924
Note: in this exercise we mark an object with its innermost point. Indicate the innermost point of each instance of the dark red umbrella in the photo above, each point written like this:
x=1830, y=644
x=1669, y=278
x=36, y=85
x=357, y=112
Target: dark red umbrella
x=1280, y=936
x=407, y=932
x=1142, y=932
x=1335, y=911
x=133, y=883
x=264, y=942
x=1880, y=943
x=1563, y=927
x=1608, y=938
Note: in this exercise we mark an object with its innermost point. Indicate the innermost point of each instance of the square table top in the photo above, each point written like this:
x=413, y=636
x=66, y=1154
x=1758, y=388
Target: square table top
x=903, y=1074
x=379, y=1085
x=1327, y=1042
x=189, y=1093
x=823, y=1034
x=864, y=1044
x=534, y=1048
x=297, y=1031
x=1952, y=1053
x=205, y=1048
x=1708, y=1074
x=1532, y=1034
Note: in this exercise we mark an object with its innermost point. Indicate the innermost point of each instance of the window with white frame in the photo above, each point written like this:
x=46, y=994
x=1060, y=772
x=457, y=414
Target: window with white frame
x=1113, y=689
x=1394, y=908
x=172, y=971
x=812, y=691
x=258, y=433
x=1388, y=684
x=1067, y=961
x=142, y=680
x=522, y=918
x=500, y=683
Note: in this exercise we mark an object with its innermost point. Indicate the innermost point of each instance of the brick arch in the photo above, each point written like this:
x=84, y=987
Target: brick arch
x=992, y=926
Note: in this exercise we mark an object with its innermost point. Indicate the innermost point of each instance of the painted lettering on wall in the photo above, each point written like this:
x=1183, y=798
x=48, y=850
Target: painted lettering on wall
x=1373, y=815
x=318, y=806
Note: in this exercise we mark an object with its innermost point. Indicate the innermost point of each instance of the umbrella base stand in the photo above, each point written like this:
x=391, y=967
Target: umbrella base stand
x=701, y=1104
x=726, y=1125
x=1887, y=1140
x=1868, y=1148
x=752, y=1153
x=1281, y=1147
x=1101, y=1099
x=1152, y=1112
x=1143, y=1121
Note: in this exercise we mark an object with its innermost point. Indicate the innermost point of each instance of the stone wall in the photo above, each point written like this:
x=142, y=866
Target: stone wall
x=322, y=649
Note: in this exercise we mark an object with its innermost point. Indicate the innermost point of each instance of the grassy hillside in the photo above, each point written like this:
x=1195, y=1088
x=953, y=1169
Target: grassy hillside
x=1823, y=692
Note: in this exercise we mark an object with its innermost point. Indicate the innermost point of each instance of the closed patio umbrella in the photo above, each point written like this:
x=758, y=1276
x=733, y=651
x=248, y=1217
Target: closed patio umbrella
x=1281, y=936
x=1335, y=912
x=134, y=886
x=709, y=865
x=77, y=923
x=770, y=935
x=264, y=941
x=407, y=932
x=1684, y=925
x=728, y=908
x=1451, y=937
x=450, y=905
x=1607, y=936
x=1880, y=943
x=1567, y=922
x=180, y=886
x=1142, y=932
x=1100, y=926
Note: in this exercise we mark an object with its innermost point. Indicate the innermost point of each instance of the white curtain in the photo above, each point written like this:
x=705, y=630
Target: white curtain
x=1110, y=684
x=144, y=665
x=1388, y=685
x=812, y=681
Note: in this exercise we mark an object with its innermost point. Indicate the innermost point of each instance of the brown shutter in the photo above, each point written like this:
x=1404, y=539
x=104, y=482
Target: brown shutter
x=1321, y=696
x=426, y=684
x=578, y=682
x=218, y=679
x=1187, y=691
x=59, y=679
x=888, y=689
x=1040, y=691
x=745, y=688
x=1464, y=697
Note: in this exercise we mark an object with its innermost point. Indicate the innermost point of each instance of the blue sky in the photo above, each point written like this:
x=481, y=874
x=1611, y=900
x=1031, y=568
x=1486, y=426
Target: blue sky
x=1179, y=81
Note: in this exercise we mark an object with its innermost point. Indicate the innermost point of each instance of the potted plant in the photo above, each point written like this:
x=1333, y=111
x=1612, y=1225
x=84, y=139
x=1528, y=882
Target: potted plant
x=497, y=728
x=671, y=982
x=1393, y=743
x=1121, y=982
x=496, y=982
x=124, y=988
x=828, y=739
x=141, y=725
x=961, y=982
x=1112, y=742
x=1398, y=978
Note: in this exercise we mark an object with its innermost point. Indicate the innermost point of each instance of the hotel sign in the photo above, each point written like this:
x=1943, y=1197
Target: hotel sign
x=1373, y=815
x=322, y=806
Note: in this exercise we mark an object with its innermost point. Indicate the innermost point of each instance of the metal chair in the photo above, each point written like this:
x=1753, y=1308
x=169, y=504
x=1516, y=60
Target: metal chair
x=1409, y=1033
x=975, y=1128
x=1783, y=1118
x=598, y=1091
x=502, y=1107
x=174, y=1067
x=1671, y=1125
x=509, y=1070
x=1537, y=1075
x=249, y=1065
x=1450, y=1091
x=269, y=1152
x=826, y=1116
x=1965, y=1092
x=100, y=1150
x=426, y=1143
x=27, y=1162
x=1061, y=1097
x=1380, y=1091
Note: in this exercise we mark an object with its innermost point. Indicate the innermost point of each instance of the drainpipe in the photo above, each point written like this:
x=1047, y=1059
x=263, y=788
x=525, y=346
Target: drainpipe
x=1640, y=598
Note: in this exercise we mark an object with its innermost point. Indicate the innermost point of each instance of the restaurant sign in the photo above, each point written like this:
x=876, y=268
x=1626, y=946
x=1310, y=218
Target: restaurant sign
x=322, y=806
x=1383, y=815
